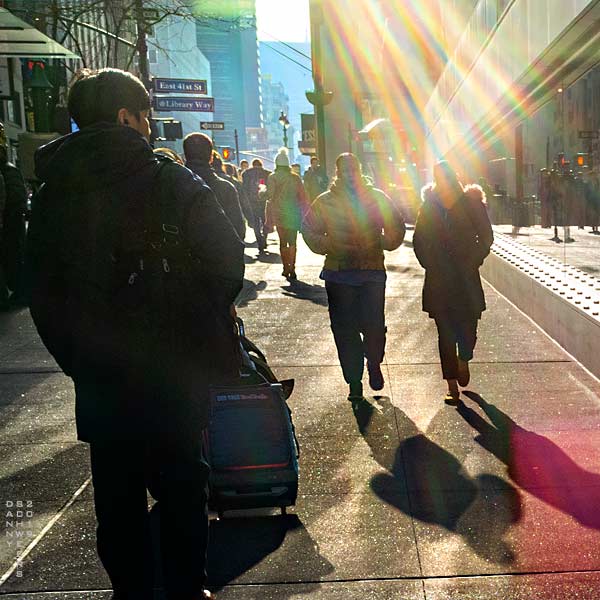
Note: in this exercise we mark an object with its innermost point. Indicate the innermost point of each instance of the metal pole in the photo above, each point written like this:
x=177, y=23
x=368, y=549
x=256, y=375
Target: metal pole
x=237, y=146
x=142, y=46
x=285, y=138
x=316, y=19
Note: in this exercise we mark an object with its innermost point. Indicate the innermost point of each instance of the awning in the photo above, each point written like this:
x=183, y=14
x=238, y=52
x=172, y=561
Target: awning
x=20, y=39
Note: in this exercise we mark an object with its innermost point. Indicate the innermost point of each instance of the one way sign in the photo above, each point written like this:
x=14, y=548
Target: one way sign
x=219, y=125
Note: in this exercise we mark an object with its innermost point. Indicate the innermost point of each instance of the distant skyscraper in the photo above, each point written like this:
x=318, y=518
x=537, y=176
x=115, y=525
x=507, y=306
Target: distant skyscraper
x=233, y=55
x=181, y=60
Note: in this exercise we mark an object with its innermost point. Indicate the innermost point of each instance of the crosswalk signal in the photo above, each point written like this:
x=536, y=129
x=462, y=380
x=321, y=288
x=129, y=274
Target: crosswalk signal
x=227, y=153
x=581, y=159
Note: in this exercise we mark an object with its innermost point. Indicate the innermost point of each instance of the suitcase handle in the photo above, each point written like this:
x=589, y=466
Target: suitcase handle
x=279, y=491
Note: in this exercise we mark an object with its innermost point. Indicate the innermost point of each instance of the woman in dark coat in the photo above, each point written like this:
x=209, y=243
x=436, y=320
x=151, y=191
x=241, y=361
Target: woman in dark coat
x=452, y=237
x=352, y=224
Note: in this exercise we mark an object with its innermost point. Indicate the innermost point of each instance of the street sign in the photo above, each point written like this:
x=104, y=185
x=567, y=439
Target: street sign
x=183, y=104
x=214, y=125
x=588, y=135
x=163, y=85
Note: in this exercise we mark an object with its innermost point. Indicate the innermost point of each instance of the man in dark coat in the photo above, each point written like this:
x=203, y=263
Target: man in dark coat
x=252, y=180
x=12, y=242
x=113, y=231
x=315, y=179
x=452, y=237
x=198, y=149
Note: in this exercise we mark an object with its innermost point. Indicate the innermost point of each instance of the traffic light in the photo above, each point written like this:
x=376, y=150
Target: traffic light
x=173, y=130
x=581, y=159
x=227, y=154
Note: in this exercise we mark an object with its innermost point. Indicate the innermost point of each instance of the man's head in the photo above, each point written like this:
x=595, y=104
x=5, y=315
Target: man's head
x=243, y=165
x=257, y=162
x=348, y=168
x=314, y=162
x=110, y=96
x=197, y=146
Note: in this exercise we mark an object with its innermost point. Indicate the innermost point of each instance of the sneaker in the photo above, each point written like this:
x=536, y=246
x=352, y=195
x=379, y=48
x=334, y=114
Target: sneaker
x=376, y=380
x=452, y=395
x=356, y=391
x=464, y=376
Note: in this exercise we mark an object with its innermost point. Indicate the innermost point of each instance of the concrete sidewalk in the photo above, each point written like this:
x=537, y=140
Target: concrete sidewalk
x=401, y=498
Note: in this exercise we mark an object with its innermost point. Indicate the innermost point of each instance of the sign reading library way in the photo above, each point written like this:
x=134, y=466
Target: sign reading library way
x=183, y=104
x=163, y=85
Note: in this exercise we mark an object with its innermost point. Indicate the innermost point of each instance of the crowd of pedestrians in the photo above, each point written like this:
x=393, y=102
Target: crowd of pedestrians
x=135, y=258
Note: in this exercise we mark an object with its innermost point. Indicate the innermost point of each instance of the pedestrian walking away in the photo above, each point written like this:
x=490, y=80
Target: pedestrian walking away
x=232, y=175
x=198, y=151
x=452, y=237
x=286, y=203
x=12, y=240
x=254, y=182
x=315, y=179
x=352, y=224
x=133, y=271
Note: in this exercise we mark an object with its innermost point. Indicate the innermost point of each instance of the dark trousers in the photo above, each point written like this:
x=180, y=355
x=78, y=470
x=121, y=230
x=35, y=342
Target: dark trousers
x=357, y=314
x=455, y=332
x=258, y=224
x=177, y=478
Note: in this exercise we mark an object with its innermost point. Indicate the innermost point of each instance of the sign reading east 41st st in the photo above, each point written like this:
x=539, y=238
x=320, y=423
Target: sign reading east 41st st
x=164, y=85
x=182, y=104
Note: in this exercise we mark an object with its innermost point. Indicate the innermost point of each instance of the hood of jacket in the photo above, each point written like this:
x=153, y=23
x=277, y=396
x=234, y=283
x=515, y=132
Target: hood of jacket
x=472, y=192
x=94, y=157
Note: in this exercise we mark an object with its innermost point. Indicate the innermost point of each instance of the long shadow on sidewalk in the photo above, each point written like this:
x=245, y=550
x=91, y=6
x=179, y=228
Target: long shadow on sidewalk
x=439, y=491
x=536, y=463
x=239, y=544
x=306, y=291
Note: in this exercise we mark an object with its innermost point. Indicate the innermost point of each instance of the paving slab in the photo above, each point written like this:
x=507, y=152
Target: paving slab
x=549, y=586
x=509, y=531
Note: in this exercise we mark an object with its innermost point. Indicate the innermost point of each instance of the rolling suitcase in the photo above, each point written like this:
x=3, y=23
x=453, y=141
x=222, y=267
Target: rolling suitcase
x=251, y=443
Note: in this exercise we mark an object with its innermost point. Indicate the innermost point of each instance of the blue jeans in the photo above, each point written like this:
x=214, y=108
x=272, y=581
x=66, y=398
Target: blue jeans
x=357, y=315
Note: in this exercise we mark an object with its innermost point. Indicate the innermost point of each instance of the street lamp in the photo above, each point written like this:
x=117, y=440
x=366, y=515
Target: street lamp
x=284, y=124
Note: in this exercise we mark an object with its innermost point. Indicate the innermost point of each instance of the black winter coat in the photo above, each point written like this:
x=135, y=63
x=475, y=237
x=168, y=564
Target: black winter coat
x=225, y=192
x=98, y=183
x=451, y=245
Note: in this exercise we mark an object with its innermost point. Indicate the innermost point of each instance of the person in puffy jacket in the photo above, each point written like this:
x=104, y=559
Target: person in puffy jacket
x=352, y=224
x=452, y=237
x=286, y=203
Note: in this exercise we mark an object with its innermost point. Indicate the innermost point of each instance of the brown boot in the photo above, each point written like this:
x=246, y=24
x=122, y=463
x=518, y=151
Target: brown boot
x=285, y=253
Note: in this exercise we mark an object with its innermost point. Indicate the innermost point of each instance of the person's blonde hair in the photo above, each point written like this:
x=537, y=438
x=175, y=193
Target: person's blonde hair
x=170, y=153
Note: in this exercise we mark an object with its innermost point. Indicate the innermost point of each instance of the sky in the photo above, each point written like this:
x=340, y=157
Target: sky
x=286, y=20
